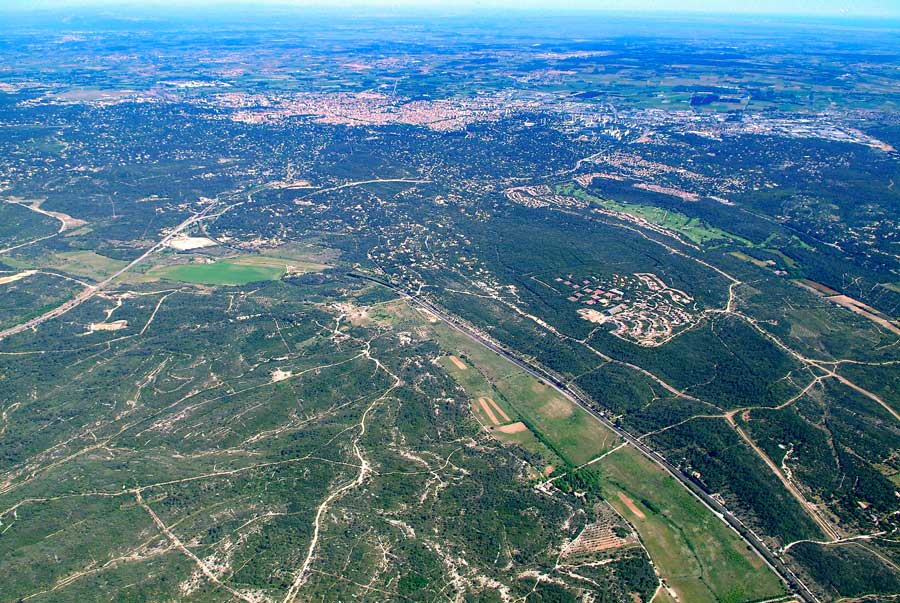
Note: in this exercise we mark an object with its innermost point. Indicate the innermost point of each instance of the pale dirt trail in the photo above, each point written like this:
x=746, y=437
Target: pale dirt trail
x=8, y=482
x=365, y=468
x=92, y=290
x=5, y=280
x=810, y=508
x=180, y=546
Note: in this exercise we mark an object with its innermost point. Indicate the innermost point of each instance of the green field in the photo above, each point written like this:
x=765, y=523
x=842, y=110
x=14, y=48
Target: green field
x=694, y=229
x=566, y=428
x=220, y=273
x=239, y=271
x=476, y=386
x=82, y=263
x=700, y=557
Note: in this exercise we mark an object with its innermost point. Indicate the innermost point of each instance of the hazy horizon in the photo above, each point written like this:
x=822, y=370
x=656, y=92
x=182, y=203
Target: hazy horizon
x=799, y=8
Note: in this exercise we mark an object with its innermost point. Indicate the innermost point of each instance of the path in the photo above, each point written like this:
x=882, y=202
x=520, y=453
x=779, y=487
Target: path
x=301, y=574
x=93, y=290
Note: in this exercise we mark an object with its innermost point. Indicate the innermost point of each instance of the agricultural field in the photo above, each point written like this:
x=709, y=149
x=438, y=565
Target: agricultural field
x=700, y=558
x=232, y=271
x=567, y=429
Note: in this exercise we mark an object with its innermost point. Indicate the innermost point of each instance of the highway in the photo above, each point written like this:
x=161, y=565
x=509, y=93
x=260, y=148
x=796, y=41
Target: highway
x=777, y=565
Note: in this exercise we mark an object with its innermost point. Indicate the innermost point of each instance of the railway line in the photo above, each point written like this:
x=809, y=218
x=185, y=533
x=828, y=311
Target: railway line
x=787, y=575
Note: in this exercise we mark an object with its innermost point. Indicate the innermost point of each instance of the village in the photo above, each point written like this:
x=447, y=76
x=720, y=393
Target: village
x=641, y=307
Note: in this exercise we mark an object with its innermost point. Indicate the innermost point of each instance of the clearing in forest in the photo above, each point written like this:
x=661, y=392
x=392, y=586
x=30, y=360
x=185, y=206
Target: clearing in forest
x=236, y=271
x=700, y=557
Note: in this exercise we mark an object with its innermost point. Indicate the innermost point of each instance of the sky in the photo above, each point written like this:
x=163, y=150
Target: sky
x=818, y=8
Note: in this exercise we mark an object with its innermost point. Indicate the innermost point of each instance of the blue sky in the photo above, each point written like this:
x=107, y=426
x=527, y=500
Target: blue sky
x=890, y=8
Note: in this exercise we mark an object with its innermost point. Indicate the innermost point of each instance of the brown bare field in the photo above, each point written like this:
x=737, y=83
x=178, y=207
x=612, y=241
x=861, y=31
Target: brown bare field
x=108, y=326
x=816, y=287
x=357, y=315
x=631, y=506
x=866, y=311
x=15, y=277
x=488, y=410
x=499, y=410
x=518, y=427
x=458, y=363
x=280, y=375
x=753, y=260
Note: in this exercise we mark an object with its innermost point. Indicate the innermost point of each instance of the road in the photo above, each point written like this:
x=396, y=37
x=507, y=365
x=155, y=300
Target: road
x=92, y=290
x=363, y=182
x=778, y=566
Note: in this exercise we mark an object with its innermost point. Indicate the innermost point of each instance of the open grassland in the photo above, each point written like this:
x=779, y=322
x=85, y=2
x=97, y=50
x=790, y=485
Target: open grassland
x=694, y=229
x=81, y=264
x=238, y=271
x=699, y=556
x=219, y=273
x=566, y=428
x=477, y=387
x=576, y=434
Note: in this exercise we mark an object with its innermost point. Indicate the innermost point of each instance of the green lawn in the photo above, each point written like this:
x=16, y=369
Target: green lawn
x=701, y=558
x=220, y=273
x=236, y=271
x=565, y=427
x=694, y=229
